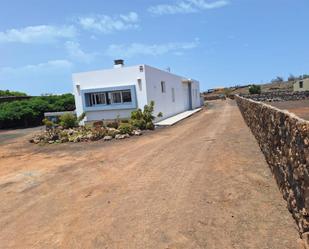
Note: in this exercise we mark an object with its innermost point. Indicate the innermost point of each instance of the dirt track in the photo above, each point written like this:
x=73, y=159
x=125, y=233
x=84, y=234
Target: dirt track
x=200, y=184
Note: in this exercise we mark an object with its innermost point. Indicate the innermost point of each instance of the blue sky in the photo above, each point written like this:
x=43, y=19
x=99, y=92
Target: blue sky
x=218, y=42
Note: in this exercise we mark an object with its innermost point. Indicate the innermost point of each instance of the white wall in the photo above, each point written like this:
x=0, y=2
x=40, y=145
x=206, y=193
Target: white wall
x=163, y=101
x=109, y=78
x=151, y=90
x=108, y=114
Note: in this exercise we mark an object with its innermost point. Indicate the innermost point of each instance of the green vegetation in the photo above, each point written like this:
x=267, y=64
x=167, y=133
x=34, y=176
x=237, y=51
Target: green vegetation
x=144, y=119
x=7, y=93
x=255, y=89
x=30, y=112
x=68, y=120
x=125, y=128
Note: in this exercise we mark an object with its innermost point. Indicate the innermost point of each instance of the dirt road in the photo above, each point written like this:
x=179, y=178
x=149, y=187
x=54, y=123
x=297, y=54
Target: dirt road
x=200, y=184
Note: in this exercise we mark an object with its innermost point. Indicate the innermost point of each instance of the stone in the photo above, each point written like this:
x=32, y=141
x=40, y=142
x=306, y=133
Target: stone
x=137, y=132
x=120, y=136
x=107, y=138
x=283, y=138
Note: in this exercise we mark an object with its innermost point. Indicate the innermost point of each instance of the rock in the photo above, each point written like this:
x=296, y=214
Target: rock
x=120, y=136
x=107, y=138
x=126, y=135
x=283, y=138
x=137, y=132
x=64, y=140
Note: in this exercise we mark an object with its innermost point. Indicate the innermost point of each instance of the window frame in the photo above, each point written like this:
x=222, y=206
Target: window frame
x=86, y=93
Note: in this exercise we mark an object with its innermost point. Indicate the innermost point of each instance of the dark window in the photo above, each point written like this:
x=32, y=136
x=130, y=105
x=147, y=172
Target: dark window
x=95, y=99
x=163, y=86
x=141, y=69
x=301, y=84
x=126, y=97
x=116, y=97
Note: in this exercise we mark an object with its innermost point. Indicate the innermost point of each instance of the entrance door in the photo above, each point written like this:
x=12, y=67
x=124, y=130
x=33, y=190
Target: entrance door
x=190, y=95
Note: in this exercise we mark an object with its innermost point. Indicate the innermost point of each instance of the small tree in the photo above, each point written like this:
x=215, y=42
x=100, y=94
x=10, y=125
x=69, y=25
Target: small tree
x=68, y=120
x=255, y=89
x=144, y=119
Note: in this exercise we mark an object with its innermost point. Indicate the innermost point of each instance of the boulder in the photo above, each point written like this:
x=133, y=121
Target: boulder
x=137, y=132
x=120, y=136
x=107, y=138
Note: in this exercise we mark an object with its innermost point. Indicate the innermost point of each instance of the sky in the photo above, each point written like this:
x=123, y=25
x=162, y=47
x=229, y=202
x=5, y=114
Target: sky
x=218, y=42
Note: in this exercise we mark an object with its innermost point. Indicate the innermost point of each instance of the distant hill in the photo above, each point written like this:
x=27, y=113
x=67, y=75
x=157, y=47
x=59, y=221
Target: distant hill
x=268, y=87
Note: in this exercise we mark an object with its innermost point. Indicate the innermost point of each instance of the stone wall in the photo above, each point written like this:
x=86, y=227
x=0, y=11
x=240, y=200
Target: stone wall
x=284, y=140
x=279, y=96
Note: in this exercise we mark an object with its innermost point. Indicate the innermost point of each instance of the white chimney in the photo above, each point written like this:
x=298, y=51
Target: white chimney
x=118, y=63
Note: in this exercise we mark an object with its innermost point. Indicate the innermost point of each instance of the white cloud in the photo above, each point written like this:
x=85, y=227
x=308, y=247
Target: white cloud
x=75, y=52
x=186, y=6
x=108, y=24
x=52, y=65
x=37, y=34
x=134, y=49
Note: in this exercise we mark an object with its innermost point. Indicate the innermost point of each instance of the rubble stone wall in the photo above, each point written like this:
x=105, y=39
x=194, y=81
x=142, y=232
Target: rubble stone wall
x=284, y=139
x=278, y=96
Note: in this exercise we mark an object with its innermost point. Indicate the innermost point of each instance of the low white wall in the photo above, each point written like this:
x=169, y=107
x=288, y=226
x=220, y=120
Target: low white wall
x=108, y=114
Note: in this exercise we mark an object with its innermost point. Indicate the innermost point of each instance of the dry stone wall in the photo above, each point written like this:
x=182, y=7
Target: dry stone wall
x=284, y=139
x=278, y=96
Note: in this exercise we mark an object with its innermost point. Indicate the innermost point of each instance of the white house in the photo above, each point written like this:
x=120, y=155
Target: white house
x=108, y=94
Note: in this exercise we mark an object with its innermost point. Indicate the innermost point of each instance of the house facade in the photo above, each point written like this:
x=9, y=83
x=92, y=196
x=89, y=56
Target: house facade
x=115, y=93
x=301, y=85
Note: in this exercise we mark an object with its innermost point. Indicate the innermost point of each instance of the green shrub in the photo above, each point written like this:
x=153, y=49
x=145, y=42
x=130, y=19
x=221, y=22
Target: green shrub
x=150, y=126
x=112, y=133
x=255, y=89
x=125, y=128
x=113, y=124
x=6, y=93
x=49, y=124
x=144, y=119
x=81, y=117
x=138, y=123
x=68, y=120
x=98, y=124
x=137, y=115
x=30, y=112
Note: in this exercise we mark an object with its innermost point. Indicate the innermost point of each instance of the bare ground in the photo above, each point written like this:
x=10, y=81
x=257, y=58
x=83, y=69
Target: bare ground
x=200, y=184
x=298, y=107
